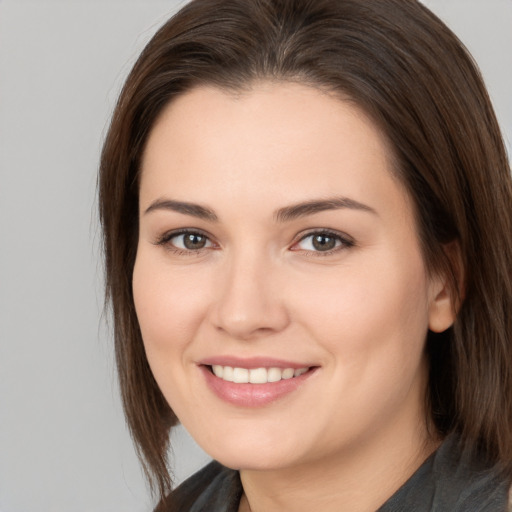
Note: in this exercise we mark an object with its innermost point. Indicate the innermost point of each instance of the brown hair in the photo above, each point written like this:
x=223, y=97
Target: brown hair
x=402, y=66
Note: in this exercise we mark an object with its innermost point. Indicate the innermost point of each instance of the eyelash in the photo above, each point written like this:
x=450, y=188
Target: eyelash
x=343, y=242
x=165, y=240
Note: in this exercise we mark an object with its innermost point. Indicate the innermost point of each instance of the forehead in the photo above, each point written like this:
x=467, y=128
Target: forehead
x=273, y=142
x=269, y=103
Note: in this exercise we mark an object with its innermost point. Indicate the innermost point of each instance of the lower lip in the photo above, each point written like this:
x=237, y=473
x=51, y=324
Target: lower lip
x=253, y=395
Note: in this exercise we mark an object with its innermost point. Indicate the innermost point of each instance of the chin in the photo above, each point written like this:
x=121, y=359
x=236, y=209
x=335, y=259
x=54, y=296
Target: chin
x=255, y=461
x=253, y=451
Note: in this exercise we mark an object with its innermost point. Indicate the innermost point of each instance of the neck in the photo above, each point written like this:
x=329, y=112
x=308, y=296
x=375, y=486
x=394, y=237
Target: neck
x=359, y=479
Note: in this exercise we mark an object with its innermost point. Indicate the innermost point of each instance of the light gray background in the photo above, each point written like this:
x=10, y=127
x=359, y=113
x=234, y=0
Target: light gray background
x=63, y=443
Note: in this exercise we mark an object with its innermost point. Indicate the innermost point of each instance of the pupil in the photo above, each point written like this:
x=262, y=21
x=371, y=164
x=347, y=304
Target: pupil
x=323, y=242
x=193, y=241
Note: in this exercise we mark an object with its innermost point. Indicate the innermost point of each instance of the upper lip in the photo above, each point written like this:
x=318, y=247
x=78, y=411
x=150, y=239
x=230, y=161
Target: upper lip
x=252, y=362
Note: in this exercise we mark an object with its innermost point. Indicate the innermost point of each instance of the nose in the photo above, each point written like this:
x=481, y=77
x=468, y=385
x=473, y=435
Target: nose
x=251, y=301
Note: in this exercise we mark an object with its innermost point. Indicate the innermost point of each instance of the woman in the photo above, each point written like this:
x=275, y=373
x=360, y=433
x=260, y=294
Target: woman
x=307, y=224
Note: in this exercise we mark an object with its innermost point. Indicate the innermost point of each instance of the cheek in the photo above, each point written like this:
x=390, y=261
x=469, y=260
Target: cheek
x=369, y=313
x=372, y=326
x=169, y=306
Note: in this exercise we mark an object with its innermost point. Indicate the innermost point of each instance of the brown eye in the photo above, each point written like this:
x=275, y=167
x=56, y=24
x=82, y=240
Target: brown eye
x=323, y=242
x=188, y=241
x=193, y=241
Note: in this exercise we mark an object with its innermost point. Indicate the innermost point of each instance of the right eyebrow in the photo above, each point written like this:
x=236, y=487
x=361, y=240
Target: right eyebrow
x=319, y=205
x=195, y=210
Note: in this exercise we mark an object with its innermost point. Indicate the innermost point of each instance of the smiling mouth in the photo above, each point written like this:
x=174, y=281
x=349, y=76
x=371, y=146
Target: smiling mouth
x=256, y=375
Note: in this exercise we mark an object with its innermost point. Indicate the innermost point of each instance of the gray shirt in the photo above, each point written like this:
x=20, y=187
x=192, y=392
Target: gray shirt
x=448, y=481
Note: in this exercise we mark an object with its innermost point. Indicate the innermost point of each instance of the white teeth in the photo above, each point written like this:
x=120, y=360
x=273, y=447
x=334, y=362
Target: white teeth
x=240, y=375
x=218, y=370
x=274, y=374
x=287, y=373
x=227, y=373
x=256, y=375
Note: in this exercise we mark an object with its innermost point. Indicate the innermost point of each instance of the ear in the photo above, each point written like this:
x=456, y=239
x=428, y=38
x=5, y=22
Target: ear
x=447, y=291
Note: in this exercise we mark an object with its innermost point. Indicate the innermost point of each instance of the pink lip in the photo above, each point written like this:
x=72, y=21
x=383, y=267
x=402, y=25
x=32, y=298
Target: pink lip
x=252, y=362
x=253, y=395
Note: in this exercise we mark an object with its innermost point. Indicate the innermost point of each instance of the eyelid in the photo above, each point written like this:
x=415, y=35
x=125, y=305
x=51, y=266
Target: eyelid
x=346, y=240
x=165, y=238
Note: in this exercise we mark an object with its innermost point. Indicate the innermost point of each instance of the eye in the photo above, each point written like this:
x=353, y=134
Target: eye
x=322, y=241
x=190, y=241
x=186, y=241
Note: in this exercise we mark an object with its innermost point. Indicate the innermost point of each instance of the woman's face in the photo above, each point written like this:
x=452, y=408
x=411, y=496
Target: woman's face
x=275, y=240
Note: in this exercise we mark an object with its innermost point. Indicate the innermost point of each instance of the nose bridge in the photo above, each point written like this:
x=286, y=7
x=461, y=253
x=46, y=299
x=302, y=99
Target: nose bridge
x=249, y=301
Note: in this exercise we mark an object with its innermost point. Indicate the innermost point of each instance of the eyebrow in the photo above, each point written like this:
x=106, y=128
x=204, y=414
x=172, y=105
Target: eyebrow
x=296, y=211
x=284, y=214
x=195, y=210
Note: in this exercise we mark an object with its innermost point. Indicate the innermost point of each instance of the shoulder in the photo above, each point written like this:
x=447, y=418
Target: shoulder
x=207, y=478
x=453, y=479
x=467, y=480
x=214, y=488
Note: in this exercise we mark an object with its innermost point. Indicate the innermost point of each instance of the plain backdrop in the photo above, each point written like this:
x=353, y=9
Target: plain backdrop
x=64, y=446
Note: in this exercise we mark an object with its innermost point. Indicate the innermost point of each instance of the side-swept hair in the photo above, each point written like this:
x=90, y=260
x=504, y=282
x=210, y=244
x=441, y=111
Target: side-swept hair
x=400, y=64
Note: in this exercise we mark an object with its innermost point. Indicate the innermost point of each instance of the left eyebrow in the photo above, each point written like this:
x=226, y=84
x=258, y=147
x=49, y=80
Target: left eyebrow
x=192, y=209
x=298, y=210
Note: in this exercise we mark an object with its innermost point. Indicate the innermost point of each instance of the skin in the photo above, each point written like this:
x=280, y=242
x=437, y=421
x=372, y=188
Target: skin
x=355, y=430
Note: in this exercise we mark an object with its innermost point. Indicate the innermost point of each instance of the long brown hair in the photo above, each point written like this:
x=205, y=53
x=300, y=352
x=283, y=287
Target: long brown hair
x=400, y=64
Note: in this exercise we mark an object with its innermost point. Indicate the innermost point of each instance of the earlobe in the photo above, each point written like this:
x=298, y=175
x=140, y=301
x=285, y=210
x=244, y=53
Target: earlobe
x=447, y=291
x=442, y=310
